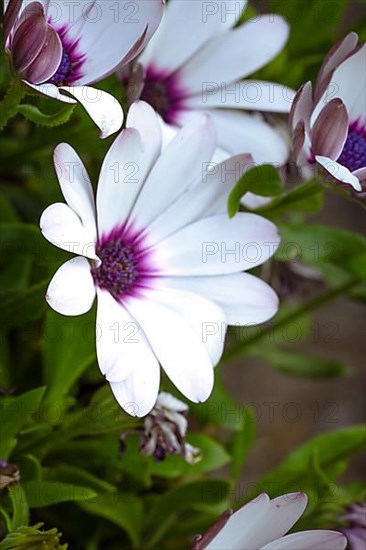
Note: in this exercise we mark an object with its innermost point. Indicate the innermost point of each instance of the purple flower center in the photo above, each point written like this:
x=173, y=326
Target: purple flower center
x=164, y=93
x=125, y=266
x=353, y=155
x=64, y=71
x=69, y=70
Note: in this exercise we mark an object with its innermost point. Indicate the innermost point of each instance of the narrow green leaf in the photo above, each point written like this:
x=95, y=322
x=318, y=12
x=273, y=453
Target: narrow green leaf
x=16, y=412
x=213, y=455
x=294, y=472
x=32, y=113
x=262, y=180
x=47, y=493
x=20, y=307
x=122, y=509
x=199, y=495
x=242, y=441
x=306, y=197
x=68, y=348
x=20, y=506
x=295, y=363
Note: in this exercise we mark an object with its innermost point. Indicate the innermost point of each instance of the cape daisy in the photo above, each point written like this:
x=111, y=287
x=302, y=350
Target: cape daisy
x=195, y=63
x=162, y=256
x=60, y=48
x=262, y=524
x=329, y=125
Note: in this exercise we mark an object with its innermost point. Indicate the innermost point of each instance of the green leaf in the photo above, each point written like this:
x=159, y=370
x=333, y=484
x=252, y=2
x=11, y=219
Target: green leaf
x=32, y=113
x=72, y=474
x=199, y=495
x=331, y=448
x=214, y=456
x=262, y=180
x=242, y=441
x=25, y=240
x=31, y=538
x=305, y=197
x=220, y=409
x=20, y=506
x=22, y=306
x=29, y=467
x=122, y=509
x=47, y=493
x=16, y=412
x=318, y=244
x=68, y=348
x=296, y=363
x=8, y=214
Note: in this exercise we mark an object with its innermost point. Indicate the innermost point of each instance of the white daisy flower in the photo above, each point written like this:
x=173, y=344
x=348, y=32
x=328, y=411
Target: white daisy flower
x=195, y=64
x=262, y=524
x=162, y=256
x=329, y=126
x=60, y=48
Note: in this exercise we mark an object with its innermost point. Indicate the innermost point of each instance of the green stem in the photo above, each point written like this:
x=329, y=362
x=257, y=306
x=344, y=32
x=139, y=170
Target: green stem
x=292, y=316
x=10, y=104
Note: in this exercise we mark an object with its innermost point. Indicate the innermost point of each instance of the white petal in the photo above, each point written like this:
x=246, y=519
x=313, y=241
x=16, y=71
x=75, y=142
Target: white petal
x=348, y=83
x=50, y=90
x=177, y=347
x=101, y=106
x=207, y=198
x=339, y=172
x=235, y=54
x=241, y=525
x=71, y=290
x=179, y=167
x=75, y=185
x=282, y=513
x=205, y=317
x=245, y=299
x=138, y=393
x=119, y=180
x=218, y=245
x=243, y=133
x=198, y=19
x=170, y=402
x=309, y=540
x=121, y=344
x=105, y=31
x=255, y=95
x=145, y=120
x=63, y=228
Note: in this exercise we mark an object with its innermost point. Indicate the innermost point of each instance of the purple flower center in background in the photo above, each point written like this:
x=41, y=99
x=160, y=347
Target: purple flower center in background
x=125, y=265
x=353, y=155
x=164, y=93
x=69, y=70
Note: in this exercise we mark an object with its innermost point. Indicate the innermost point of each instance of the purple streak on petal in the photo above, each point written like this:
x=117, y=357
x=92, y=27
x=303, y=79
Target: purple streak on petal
x=28, y=41
x=337, y=55
x=302, y=106
x=11, y=15
x=127, y=265
x=202, y=541
x=330, y=130
x=75, y=60
x=165, y=93
x=48, y=59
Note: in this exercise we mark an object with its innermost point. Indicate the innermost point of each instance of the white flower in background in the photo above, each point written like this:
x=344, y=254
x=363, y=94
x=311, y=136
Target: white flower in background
x=329, y=126
x=262, y=524
x=161, y=254
x=60, y=48
x=194, y=64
